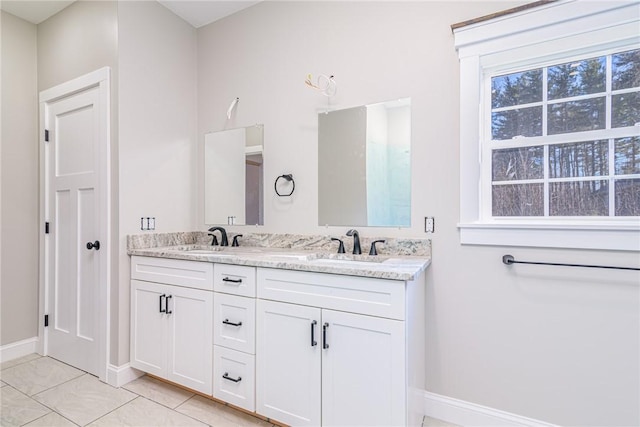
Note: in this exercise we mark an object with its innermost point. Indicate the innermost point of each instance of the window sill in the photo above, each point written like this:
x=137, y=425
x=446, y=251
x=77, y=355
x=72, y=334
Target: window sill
x=571, y=236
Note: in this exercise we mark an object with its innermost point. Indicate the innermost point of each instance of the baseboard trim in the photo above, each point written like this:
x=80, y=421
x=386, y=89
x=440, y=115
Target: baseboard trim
x=118, y=376
x=469, y=414
x=18, y=349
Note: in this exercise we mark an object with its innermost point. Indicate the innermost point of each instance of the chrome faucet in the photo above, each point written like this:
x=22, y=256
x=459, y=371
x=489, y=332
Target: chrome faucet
x=223, y=233
x=356, y=241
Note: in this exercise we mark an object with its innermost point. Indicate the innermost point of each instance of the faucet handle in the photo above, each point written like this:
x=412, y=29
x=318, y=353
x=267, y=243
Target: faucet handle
x=373, y=250
x=340, y=246
x=214, y=241
x=235, y=240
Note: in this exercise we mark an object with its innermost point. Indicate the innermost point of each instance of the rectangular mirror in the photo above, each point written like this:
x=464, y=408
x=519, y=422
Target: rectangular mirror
x=233, y=176
x=364, y=165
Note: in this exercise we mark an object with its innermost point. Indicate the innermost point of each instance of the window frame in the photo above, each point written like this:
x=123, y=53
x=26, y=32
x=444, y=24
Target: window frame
x=547, y=35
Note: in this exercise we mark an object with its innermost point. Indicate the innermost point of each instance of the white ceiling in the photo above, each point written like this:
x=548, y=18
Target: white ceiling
x=195, y=12
x=34, y=11
x=202, y=12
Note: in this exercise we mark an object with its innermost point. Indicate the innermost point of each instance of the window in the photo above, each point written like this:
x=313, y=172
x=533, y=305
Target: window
x=564, y=139
x=550, y=127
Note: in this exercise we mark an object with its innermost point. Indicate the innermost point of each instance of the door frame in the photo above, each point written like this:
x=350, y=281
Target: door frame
x=100, y=79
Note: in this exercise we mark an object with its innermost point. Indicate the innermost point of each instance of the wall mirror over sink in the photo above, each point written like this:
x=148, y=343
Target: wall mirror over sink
x=364, y=165
x=233, y=176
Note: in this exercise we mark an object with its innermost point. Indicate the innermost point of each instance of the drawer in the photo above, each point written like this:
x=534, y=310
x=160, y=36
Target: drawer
x=191, y=274
x=235, y=279
x=234, y=322
x=363, y=295
x=234, y=376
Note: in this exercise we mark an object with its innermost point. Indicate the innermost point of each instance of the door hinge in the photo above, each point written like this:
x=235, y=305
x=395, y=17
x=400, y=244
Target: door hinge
x=46, y=320
x=46, y=228
x=46, y=135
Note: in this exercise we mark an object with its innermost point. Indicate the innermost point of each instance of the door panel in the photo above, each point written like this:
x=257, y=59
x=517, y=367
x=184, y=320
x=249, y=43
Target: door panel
x=190, y=338
x=73, y=162
x=363, y=371
x=148, y=327
x=74, y=151
x=288, y=366
x=63, y=286
x=87, y=267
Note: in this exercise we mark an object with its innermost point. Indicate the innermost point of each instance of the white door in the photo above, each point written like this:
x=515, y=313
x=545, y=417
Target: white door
x=149, y=325
x=76, y=208
x=190, y=358
x=288, y=351
x=363, y=371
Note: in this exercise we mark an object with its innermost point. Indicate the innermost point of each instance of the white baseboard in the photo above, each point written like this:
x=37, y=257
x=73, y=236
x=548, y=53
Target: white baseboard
x=18, y=349
x=118, y=376
x=470, y=414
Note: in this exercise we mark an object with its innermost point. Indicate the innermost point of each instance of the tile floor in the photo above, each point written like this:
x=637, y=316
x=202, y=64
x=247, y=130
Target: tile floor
x=41, y=391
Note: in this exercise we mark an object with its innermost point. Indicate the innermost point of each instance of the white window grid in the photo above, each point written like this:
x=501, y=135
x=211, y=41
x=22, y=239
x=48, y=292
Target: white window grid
x=488, y=145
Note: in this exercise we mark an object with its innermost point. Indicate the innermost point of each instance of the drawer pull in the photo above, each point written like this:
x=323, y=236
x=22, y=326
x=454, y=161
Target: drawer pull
x=227, y=322
x=226, y=279
x=313, y=334
x=166, y=305
x=227, y=377
x=161, y=309
x=325, y=345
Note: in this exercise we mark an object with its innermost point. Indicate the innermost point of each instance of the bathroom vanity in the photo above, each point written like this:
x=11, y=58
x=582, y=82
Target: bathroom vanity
x=301, y=337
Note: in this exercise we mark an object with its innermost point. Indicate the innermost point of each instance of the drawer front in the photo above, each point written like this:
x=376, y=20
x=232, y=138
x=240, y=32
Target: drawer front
x=234, y=377
x=235, y=279
x=374, y=297
x=234, y=322
x=191, y=274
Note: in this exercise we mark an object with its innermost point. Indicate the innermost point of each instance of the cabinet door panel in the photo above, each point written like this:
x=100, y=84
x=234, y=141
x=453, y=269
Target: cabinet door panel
x=288, y=366
x=363, y=371
x=148, y=328
x=191, y=338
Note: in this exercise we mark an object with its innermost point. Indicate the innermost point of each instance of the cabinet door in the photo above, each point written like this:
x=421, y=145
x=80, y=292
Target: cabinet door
x=363, y=370
x=288, y=363
x=148, y=327
x=190, y=348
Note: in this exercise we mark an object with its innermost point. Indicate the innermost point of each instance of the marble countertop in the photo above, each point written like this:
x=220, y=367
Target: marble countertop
x=383, y=266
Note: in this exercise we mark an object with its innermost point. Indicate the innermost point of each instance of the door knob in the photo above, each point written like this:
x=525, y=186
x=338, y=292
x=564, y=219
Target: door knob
x=95, y=245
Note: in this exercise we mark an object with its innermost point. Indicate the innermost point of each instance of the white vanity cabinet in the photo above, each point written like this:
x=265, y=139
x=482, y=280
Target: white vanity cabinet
x=338, y=350
x=172, y=320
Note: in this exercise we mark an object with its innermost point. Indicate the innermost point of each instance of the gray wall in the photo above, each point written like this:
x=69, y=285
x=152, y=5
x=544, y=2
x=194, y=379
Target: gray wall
x=560, y=345
x=19, y=225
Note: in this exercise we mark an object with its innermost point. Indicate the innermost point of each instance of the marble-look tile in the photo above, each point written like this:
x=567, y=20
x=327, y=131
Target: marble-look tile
x=2, y=384
x=218, y=415
x=18, y=409
x=19, y=361
x=143, y=412
x=434, y=422
x=39, y=375
x=84, y=399
x=52, y=419
x=159, y=391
